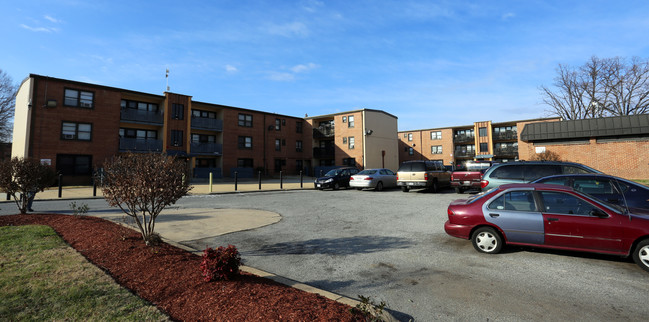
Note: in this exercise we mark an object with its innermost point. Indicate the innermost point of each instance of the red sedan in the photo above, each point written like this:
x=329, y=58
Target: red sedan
x=550, y=216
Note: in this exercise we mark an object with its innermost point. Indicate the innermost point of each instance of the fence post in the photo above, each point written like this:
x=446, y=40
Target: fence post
x=301, y=179
x=94, y=188
x=236, y=180
x=281, y=181
x=210, y=182
x=259, y=180
x=60, y=185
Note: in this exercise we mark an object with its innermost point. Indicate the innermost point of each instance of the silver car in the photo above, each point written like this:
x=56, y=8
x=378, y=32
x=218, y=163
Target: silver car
x=374, y=178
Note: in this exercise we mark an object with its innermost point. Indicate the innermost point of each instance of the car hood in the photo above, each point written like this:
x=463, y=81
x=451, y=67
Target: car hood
x=324, y=178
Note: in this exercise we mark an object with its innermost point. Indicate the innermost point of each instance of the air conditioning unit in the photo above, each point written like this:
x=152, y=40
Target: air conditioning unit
x=68, y=136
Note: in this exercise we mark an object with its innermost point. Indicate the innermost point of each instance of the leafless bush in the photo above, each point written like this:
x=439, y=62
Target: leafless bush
x=21, y=177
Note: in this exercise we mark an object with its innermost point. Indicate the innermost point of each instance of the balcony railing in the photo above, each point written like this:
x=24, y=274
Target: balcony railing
x=207, y=124
x=205, y=172
x=461, y=153
x=323, y=153
x=140, y=145
x=323, y=132
x=461, y=138
x=509, y=135
x=129, y=114
x=206, y=148
x=508, y=151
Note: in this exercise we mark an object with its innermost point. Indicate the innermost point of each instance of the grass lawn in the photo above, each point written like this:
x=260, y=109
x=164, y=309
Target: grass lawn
x=42, y=278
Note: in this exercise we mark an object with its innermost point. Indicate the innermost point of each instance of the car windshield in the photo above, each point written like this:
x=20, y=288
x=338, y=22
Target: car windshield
x=334, y=172
x=367, y=172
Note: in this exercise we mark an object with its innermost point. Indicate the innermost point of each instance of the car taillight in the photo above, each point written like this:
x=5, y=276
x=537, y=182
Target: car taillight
x=484, y=183
x=426, y=176
x=368, y=178
x=452, y=178
x=397, y=177
x=351, y=178
x=450, y=212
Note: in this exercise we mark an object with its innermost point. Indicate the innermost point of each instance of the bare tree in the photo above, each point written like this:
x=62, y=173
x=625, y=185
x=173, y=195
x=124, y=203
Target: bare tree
x=601, y=87
x=21, y=177
x=7, y=103
x=142, y=185
x=547, y=155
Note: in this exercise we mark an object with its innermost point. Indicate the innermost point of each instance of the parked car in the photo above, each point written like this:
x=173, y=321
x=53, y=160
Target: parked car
x=335, y=179
x=374, y=178
x=527, y=171
x=549, y=216
x=430, y=175
x=470, y=176
x=608, y=188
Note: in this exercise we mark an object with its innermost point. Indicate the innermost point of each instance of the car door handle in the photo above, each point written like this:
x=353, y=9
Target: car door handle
x=494, y=215
x=553, y=219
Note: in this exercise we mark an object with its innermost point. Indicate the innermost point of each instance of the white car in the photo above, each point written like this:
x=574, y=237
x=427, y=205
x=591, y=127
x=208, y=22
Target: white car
x=374, y=178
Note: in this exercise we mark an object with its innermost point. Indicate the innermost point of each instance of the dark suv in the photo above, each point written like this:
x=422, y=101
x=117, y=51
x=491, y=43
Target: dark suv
x=335, y=178
x=526, y=171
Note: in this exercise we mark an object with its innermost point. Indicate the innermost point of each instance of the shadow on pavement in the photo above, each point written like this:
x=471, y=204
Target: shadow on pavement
x=336, y=246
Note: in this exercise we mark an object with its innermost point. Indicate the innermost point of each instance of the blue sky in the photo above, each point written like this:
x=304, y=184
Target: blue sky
x=430, y=63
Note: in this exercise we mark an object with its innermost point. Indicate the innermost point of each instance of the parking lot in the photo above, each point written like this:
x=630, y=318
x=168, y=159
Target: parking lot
x=392, y=246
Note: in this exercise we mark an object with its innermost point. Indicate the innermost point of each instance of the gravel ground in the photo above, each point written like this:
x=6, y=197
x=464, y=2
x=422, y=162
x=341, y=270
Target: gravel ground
x=392, y=246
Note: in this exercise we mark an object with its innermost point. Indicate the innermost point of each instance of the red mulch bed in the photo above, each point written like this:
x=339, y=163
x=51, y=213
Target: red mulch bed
x=171, y=279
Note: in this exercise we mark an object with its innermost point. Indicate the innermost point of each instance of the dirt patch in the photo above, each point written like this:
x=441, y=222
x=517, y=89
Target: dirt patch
x=171, y=279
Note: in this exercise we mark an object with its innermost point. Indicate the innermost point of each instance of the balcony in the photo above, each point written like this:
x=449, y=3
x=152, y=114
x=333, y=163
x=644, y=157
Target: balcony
x=202, y=123
x=139, y=145
x=323, y=132
x=508, y=151
x=461, y=138
x=463, y=153
x=205, y=148
x=505, y=136
x=140, y=116
x=323, y=153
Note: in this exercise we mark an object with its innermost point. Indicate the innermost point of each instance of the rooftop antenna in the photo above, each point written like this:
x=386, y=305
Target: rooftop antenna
x=167, y=77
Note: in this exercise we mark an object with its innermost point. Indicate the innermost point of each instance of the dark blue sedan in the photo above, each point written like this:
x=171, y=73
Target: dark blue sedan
x=608, y=188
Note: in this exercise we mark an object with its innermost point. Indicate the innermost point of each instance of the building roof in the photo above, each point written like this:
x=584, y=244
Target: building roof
x=587, y=128
x=492, y=124
x=347, y=112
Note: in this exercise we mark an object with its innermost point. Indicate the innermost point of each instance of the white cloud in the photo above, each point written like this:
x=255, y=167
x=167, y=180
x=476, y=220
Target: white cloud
x=508, y=15
x=51, y=19
x=312, y=5
x=281, y=77
x=39, y=29
x=289, y=30
x=304, y=68
x=231, y=69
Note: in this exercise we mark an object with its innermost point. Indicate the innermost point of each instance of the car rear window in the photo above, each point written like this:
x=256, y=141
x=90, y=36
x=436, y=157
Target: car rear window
x=508, y=172
x=405, y=167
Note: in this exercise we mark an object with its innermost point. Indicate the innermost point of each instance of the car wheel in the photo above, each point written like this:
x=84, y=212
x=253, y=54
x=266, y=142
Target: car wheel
x=405, y=189
x=379, y=186
x=434, y=187
x=641, y=254
x=336, y=186
x=359, y=189
x=458, y=190
x=487, y=240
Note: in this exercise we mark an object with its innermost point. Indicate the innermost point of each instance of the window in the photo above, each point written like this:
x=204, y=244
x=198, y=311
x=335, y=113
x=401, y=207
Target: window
x=76, y=131
x=436, y=149
x=205, y=163
x=299, y=165
x=245, y=142
x=484, y=147
x=78, y=98
x=344, y=119
x=244, y=163
x=298, y=146
x=278, y=145
x=482, y=131
x=349, y=162
x=176, y=137
x=350, y=141
x=177, y=111
x=74, y=164
x=203, y=138
x=298, y=127
x=350, y=121
x=563, y=203
x=515, y=200
x=278, y=125
x=344, y=140
x=409, y=136
x=138, y=134
x=411, y=151
x=204, y=114
x=142, y=106
x=436, y=135
x=245, y=120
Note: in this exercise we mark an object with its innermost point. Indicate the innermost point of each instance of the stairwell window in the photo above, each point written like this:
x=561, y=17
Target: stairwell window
x=176, y=138
x=177, y=111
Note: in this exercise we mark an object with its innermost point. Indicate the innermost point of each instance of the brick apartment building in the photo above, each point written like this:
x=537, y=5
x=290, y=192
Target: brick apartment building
x=76, y=126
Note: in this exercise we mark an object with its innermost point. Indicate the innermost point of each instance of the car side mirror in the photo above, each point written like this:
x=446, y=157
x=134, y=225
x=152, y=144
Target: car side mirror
x=598, y=213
